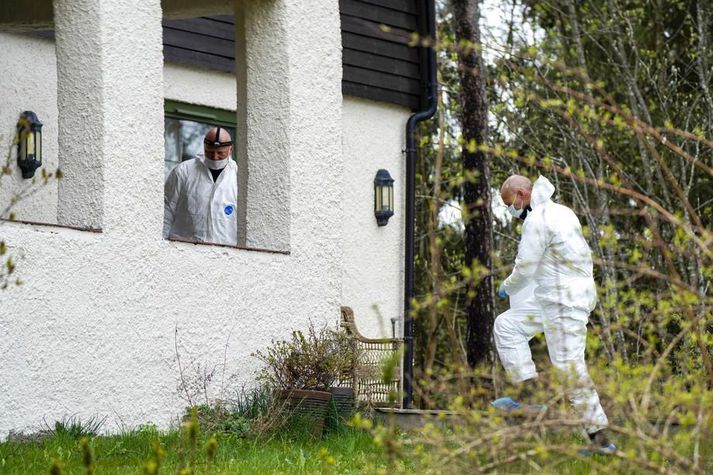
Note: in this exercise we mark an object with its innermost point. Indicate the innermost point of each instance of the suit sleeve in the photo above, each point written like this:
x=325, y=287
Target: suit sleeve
x=171, y=192
x=530, y=252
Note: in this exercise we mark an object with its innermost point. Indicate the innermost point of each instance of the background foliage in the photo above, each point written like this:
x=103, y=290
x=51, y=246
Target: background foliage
x=611, y=101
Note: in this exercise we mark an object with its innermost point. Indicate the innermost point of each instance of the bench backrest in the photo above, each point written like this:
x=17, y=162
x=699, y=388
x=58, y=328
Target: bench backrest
x=368, y=378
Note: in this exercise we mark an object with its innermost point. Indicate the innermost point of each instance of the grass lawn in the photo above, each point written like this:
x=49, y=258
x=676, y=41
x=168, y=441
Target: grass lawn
x=346, y=451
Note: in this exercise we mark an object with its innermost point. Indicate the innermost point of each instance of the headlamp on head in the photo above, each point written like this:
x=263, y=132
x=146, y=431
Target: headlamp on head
x=217, y=142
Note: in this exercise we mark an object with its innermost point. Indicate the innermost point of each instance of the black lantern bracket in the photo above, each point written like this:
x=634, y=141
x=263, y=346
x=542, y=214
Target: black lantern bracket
x=29, y=143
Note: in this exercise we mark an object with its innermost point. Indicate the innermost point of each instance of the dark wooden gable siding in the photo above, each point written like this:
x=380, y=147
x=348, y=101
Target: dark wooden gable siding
x=378, y=62
x=208, y=42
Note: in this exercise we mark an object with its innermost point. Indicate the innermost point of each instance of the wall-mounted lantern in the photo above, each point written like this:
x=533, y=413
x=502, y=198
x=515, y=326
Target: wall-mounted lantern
x=383, y=197
x=29, y=145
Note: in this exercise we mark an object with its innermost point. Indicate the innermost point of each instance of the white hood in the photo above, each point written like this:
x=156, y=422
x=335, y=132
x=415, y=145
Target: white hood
x=542, y=190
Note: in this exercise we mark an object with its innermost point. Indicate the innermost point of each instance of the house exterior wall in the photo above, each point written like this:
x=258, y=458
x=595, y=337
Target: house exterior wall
x=102, y=320
x=28, y=81
x=373, y=256
x=199, y=86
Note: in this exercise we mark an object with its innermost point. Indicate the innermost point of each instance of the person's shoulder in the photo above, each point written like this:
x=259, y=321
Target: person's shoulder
x=563, y=214
x=554, y=207
x=186, y=165
x=182, y=171
x=566, y=209
x=547, y=215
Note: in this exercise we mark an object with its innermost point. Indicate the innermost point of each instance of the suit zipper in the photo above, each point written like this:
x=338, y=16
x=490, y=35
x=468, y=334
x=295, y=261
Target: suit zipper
x=210, y=205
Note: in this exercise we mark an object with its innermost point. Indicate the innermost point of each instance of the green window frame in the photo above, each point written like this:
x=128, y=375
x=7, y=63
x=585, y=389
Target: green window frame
x=177, y=116
x=183, y=110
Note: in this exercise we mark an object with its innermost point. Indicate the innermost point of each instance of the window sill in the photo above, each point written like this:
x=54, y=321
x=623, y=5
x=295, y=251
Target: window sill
x=244, y=248
x=53, y=225
x=100, y=231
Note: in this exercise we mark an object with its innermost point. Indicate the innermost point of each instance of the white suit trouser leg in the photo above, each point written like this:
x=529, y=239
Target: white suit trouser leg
x=566, y=335
x=513, y=330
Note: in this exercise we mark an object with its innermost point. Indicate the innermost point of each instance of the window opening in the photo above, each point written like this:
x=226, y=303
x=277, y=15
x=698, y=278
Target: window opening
x=185, y=125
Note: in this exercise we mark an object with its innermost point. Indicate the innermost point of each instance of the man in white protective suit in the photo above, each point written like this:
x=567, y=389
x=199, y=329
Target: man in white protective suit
x=553, y=291
x=201, y=194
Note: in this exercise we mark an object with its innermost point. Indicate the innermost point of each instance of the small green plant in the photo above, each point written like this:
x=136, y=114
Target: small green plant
x=250, y=403
x=74, y=427
x=219, y=417
x=234, y=415
x=313, y=361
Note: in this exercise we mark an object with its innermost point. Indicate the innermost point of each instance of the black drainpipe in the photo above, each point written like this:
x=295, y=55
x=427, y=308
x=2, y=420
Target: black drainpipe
x=429, y=59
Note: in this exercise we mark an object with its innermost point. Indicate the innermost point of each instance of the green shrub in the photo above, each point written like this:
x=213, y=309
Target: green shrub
x=314, y=361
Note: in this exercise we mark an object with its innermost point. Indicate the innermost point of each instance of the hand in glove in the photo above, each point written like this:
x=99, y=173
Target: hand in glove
x=502, y=293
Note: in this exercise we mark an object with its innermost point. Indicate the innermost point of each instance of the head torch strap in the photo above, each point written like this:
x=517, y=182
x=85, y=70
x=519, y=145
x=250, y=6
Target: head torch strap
x=216, y=141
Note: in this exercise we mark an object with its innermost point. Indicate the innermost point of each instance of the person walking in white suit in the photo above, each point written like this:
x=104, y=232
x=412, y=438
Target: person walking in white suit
x=555, y=262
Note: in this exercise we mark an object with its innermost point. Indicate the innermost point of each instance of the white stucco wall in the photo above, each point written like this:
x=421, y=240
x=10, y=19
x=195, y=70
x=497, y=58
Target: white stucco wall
x=268, y=71
x=373, y=269
x=28, y=73
x=32, y=85
x=92, y=330
x=199, y=86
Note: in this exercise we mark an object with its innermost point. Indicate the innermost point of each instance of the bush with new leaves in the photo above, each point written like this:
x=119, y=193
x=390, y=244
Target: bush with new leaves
x=316, y=360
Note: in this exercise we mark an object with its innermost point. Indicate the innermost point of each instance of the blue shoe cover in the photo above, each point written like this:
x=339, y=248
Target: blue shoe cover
x=604, y=450
x=506, y=403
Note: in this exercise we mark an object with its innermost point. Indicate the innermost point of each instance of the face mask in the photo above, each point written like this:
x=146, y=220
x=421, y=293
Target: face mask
x=216, y=164
x=518, y=212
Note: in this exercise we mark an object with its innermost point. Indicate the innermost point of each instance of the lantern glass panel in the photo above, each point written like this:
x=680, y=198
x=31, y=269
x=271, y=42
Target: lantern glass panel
x=22, y=154
x=30, y=143
x=385, y=198
x=377, y=194
x=38, y=145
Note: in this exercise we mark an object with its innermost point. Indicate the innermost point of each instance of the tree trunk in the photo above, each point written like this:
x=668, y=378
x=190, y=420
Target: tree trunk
x=476, y=189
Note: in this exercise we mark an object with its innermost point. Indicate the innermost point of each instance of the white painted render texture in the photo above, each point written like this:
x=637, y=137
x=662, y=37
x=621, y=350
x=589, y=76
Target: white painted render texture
x=270, y=124
x=373, y=256
x=28, y=81
x=199, y=86
x=92, y=330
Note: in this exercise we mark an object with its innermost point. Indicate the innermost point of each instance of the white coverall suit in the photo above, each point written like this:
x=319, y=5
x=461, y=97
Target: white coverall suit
x=198, y=209
x=552, y=291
